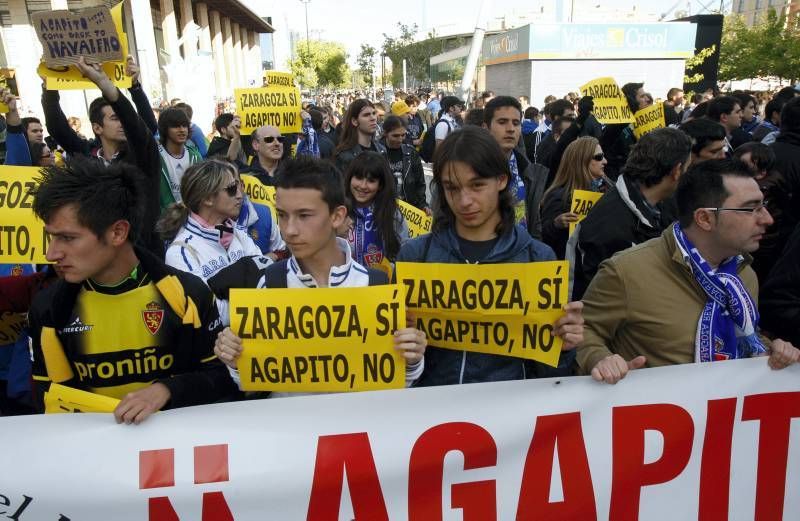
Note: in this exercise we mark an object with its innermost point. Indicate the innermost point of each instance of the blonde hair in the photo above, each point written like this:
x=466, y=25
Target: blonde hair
x=573, y=171
x=199, y=182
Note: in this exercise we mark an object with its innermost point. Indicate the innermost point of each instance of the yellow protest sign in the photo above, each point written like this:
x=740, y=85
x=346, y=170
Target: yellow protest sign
x=22, y=236
x=649, y=119
x=320, y=340
x=276, y=104
x=8, y=81
x=419, y=223
x=582, y=202
x=70, y=78
x=260, y=193
x=610, y=105
x=66, y=36
x=63, y=399
x=504, y=310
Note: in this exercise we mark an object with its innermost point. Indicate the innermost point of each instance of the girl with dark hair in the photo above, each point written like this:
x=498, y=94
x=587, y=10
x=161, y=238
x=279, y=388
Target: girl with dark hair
x=405, y=164
x=202, y=228
x=41, y=155
x=359, y=126
x=378, y=228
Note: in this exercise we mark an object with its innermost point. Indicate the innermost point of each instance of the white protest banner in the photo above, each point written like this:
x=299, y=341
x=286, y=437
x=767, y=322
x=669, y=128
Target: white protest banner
x=708, y=442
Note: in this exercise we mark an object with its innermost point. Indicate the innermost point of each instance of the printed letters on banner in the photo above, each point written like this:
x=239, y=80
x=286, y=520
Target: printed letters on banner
x=506, y=309
x=22, y=235
x=610, y=105
x=319, y=340
x=649, y=119
x=419, y=223
x=276, y=104
x=582, y=202
x=69, y=77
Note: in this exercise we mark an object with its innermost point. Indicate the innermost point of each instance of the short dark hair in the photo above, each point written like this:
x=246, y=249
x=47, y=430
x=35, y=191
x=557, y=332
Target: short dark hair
x=774, y=105
x=170, y=118
x=673, y=91
x=222, y=121
x=629, y=90
x=393, y=122
x=497, y=103
x=702, y=132
x=721, y=105
x=760, y=154
x=487, y=94
x=475, y=147
x=531, y=113
x=474, y=117
x=316, y=118
x=786, y=94
x=699, y=110
x=25, y=122
x=744, y=99
x=655, y=155
x=317, y=174
x=101, y=194
x=411, y=99
x=186, y=108
x=702, y=186
x=558, y=107
x=790, y=116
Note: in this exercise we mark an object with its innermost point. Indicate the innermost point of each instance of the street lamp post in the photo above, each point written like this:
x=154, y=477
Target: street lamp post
x=308, y=43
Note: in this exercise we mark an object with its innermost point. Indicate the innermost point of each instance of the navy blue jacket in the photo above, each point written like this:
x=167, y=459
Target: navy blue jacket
x=447, y=366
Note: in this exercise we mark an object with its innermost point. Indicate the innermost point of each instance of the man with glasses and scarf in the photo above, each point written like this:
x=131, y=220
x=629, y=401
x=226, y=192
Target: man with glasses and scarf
x=267, y=143
x=689, y=295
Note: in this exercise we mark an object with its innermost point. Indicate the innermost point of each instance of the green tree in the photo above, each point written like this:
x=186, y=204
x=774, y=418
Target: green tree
x=690, y=76
x=768, y=48
x=366, y=63
x=416, y=53
x=320, y=64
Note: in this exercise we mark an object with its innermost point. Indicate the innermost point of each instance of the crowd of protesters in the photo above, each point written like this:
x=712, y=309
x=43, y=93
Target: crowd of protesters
x=691, y=255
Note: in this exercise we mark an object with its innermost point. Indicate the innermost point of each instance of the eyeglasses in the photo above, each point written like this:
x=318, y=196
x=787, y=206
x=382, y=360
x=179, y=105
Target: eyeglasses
x=599, y=157
x=233, y=188
x=753, y=211
x=270, y=139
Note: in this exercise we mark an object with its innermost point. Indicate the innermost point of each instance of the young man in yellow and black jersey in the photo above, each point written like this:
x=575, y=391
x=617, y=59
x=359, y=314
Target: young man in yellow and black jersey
x=119, y=322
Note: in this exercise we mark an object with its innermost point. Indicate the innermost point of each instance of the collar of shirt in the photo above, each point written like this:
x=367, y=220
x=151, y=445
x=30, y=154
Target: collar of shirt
x=336, y=277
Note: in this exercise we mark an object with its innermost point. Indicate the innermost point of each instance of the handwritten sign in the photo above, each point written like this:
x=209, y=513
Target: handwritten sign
x=66, y=36
x=70, y=78
x=485, y=309
x=610, y=105
x=320, y=340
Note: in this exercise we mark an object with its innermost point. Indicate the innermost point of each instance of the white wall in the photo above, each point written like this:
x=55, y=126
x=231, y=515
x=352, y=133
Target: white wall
x=559, y=77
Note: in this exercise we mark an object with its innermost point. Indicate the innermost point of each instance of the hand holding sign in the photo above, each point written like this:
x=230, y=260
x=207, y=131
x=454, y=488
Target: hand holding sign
x=95, y=73
x=570, y=326
x=10, y=102
x=613, y=368
x=132, y=70
x=228, y=348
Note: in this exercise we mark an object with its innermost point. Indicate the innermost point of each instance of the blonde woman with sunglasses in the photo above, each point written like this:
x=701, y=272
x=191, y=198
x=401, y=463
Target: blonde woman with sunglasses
x=201, y=231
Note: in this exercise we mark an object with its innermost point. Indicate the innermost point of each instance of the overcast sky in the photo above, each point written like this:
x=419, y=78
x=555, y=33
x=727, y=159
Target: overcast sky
x=351, y=23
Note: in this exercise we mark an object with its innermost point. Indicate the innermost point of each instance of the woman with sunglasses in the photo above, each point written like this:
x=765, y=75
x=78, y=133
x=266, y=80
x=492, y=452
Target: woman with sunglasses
x=201, y=231
x=378, y=228
x=581, y=168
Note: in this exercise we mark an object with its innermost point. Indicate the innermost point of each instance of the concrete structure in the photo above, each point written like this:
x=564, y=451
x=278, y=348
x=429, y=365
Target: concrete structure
x=755, y=10
x=196, y=50
x=542, y=59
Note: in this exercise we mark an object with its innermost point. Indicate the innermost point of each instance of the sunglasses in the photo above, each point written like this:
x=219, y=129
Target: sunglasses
x=599, y=157
x=270, y=139
x=233, y=188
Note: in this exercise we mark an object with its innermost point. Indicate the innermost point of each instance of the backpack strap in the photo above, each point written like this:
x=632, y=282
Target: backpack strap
x=275, y=275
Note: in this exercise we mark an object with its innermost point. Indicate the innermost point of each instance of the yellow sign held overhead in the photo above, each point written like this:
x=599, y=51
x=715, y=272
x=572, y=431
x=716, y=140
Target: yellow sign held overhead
x=610, y=105
x=70, y=78
x=276, y=104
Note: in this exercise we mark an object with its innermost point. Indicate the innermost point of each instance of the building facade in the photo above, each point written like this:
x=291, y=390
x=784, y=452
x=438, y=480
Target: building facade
x=755, y=10
x=195, y=50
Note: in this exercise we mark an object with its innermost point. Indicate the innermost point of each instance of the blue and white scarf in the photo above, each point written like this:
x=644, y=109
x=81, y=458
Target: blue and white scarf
x=365, y=242
x=727, y=326
x=519, y=193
